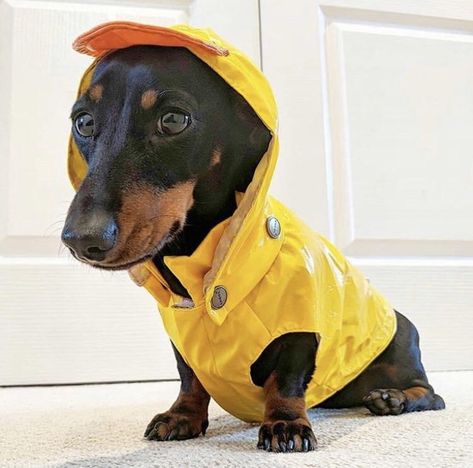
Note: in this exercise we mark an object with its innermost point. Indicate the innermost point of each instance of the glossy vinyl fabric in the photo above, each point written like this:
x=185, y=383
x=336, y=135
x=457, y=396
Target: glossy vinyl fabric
x=251, y=282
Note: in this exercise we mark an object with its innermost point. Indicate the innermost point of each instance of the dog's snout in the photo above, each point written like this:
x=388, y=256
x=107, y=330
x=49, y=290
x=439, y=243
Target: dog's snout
x=91, y=237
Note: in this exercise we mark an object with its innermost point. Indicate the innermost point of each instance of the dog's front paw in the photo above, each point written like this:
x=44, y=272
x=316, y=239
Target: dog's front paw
x=286, y=436
x=383, y=402
x=176, y=425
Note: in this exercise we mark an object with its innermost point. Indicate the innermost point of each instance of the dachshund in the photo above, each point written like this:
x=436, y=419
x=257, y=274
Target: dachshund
x=175, y=149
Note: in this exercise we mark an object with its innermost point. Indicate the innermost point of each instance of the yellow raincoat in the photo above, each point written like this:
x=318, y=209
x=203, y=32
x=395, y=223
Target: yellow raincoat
x=259, y=274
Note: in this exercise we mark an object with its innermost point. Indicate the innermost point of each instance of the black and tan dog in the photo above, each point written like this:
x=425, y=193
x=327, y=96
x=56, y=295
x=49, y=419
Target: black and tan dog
x=163, y=137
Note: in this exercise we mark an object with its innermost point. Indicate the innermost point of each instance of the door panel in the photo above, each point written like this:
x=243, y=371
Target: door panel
x=60, y=321
x=376, y=117
x=408, y=103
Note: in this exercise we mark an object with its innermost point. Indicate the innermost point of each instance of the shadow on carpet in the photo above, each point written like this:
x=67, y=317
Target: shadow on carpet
x=350, y=437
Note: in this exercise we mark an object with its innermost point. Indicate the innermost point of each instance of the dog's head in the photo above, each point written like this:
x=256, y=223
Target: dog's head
x=161, y=132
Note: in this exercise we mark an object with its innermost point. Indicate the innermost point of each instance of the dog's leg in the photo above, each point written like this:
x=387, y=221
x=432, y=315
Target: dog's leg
x=395, y=382
x=409, y=390
x=286, y=426
x=188, y=416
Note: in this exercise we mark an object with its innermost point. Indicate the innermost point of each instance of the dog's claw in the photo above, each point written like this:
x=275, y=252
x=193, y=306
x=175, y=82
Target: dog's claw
x=205, y=425
x=286, y=436
x=151, y=434
x=149, y=428
x=305, y=445
x=267, y=445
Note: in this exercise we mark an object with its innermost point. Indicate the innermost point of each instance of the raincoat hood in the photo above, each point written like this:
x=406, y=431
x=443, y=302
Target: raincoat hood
x=259, y=274
x=231, y=237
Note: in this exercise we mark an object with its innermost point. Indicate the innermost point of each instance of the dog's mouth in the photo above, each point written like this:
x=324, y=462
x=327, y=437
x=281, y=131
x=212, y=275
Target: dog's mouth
x=111, y=267
x=118, y=265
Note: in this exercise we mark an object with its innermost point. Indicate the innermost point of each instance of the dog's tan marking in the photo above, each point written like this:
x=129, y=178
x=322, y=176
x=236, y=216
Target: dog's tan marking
x=146, y=217
x=275, y=404
x=148, y=99
x=416, y=393
x=96, y=92
x=177, y=199
x=216, y=157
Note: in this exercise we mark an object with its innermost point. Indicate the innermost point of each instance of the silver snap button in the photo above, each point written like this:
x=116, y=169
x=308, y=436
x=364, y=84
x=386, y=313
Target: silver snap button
x=273, y=226
x=219, y=297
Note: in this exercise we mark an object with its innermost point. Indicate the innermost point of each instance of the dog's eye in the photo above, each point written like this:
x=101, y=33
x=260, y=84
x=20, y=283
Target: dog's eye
x=84, y=124
x=173, y=123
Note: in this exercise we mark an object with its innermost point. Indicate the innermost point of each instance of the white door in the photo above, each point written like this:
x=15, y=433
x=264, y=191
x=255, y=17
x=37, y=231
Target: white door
x=60, y=321
x=376, y=102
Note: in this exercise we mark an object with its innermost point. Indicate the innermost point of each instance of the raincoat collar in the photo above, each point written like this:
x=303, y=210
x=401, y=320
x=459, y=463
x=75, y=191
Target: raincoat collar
x=220, y=260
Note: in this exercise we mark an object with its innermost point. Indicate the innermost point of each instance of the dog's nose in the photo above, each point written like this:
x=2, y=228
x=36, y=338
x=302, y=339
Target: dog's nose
x=92, y=237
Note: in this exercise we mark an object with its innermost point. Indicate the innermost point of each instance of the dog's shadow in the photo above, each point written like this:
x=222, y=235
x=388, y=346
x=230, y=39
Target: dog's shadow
x=230, y=442
x=329, y=426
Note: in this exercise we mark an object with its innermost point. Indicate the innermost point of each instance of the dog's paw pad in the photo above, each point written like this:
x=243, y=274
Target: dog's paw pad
x=286, y=436
x=383, y=402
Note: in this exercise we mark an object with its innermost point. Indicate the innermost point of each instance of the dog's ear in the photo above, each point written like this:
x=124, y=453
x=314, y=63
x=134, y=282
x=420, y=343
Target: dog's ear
x=251, y=140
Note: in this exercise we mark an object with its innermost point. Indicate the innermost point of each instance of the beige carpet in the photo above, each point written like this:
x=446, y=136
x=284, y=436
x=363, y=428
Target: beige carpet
x=95, y=426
